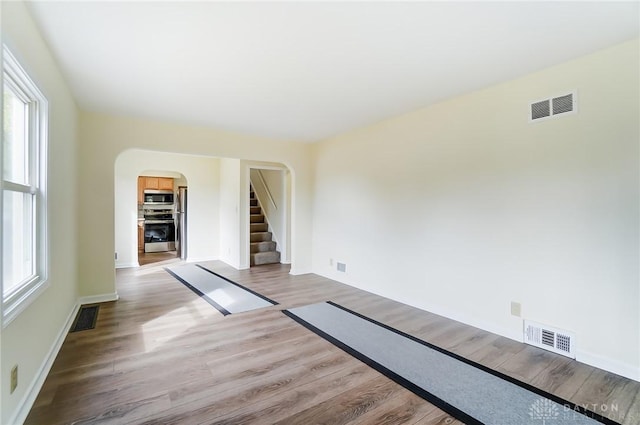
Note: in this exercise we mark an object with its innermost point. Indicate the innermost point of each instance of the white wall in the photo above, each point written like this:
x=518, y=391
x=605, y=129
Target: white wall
x=202, y=176
x=270, y=187
x=230, y=212
x=465, y=206
x=30, y=339
x=104, y=137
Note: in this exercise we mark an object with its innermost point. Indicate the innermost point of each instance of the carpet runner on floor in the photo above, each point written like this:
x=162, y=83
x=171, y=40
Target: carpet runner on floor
x=468, y=391
x=222, y=293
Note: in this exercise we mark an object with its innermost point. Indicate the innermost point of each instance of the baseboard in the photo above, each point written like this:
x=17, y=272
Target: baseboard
x=613, y=366
x=600, y=362
x=127, y=265
x=95, y=299
x=230, y=263
x=296, y=272
x=511, y=333
x=24, y=406
x=201, y=259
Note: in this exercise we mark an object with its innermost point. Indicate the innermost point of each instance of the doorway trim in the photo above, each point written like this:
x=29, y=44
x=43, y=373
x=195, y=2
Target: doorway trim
x=285, y=246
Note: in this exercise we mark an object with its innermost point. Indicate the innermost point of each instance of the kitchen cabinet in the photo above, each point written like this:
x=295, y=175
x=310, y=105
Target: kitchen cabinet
x=141, y=183
x=140, y=235
x=152, y=183
x=165, y=184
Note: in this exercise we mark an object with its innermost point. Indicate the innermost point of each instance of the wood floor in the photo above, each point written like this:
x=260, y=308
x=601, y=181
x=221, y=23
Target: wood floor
x=161, y=355
x=145, y=258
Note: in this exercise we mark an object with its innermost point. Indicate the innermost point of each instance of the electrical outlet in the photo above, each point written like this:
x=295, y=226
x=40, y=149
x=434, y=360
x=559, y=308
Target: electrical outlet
x=342, y=267
x=516, y=309
x=330, y=261
x=14, y=379
x=116, y=255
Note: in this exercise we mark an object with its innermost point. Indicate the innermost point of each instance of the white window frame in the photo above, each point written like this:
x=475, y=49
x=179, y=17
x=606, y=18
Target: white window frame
x=20, y=297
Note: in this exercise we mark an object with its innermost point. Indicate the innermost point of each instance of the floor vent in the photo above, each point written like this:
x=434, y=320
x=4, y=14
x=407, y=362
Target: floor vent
x=549, y=108
x=552, y=339
x=86, y=318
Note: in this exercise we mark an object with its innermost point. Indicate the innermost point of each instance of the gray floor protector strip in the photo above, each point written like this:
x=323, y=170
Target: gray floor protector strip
x=468, y=391
x=225, y=295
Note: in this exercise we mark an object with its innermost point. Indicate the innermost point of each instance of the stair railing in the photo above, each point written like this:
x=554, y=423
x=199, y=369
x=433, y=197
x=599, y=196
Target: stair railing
x=266, y=188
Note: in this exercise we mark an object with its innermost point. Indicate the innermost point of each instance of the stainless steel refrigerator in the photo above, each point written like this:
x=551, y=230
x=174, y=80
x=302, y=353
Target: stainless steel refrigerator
x=181, y=223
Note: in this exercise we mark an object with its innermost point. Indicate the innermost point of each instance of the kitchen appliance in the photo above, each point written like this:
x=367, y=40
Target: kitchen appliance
x=159, y=229
x=158, y=197
x=181, y=219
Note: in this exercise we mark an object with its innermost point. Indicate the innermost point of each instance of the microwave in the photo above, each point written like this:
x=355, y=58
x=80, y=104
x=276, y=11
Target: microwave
x=158, y=197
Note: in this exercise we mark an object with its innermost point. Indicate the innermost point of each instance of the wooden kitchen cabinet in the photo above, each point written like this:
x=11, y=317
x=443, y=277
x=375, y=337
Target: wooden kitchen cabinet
x=141, y=183
x=165, y=184
x=140, y=236
x=152, y=183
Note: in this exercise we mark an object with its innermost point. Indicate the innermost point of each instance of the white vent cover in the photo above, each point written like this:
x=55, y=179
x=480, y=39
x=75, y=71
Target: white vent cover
x=552, y=339
x=549, y=108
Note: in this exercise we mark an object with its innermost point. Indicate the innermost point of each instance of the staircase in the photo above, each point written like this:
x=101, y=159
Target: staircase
x=263, y=248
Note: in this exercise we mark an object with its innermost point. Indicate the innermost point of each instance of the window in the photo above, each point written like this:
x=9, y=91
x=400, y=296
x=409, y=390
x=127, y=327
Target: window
x=24, y=125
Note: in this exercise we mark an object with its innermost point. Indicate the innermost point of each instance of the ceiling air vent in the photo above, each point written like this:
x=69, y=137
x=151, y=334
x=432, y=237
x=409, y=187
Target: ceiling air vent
x=549, y=338
x=548, y=108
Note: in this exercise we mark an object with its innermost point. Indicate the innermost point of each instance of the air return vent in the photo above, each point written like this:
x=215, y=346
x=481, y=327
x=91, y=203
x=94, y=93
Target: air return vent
x=548, y=108
x=549, y=338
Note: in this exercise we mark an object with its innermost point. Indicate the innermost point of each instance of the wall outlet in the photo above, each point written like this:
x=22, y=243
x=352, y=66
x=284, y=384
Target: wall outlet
x=331, y=262
x=516, y=309
x=342, y=267
x=116, y=256
x=14, y=379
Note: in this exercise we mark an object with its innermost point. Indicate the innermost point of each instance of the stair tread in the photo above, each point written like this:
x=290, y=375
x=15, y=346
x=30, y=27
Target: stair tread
x=265, y=253
x=266, y=257
x=263, y=248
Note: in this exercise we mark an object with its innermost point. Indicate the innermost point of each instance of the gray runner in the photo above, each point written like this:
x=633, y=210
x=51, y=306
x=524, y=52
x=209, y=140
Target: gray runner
x=224, y=294
x=468, y=391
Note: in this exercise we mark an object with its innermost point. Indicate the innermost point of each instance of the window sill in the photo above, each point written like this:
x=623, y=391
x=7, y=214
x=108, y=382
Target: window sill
x=13, y=308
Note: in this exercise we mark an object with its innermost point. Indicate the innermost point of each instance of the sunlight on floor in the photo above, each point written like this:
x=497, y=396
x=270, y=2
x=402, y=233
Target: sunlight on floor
x=171, y=325
x=221, y=297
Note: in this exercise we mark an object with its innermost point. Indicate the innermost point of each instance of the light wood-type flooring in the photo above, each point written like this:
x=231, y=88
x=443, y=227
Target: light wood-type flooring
x=145, y=258
x=161, y=355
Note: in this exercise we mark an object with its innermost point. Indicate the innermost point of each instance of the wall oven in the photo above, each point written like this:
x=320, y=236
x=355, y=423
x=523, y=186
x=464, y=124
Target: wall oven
x=159, y=230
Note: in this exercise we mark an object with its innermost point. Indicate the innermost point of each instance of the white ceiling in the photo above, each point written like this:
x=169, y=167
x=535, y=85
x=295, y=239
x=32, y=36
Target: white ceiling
x=309, y=70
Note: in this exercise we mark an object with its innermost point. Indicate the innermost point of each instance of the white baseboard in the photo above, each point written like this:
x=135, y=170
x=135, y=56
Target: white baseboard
x=595, y=360
x=95, y=299
x=613, y=366
x=24, y=406
x=296, y=272
x=127, y=265
x=199, y=259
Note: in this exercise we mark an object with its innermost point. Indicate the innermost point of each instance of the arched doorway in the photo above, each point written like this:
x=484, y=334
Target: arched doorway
x=218, y=215
x=161, y=216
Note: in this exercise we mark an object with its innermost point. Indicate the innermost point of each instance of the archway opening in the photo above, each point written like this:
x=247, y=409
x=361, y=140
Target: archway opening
x=218, y=225
x=161, y=216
